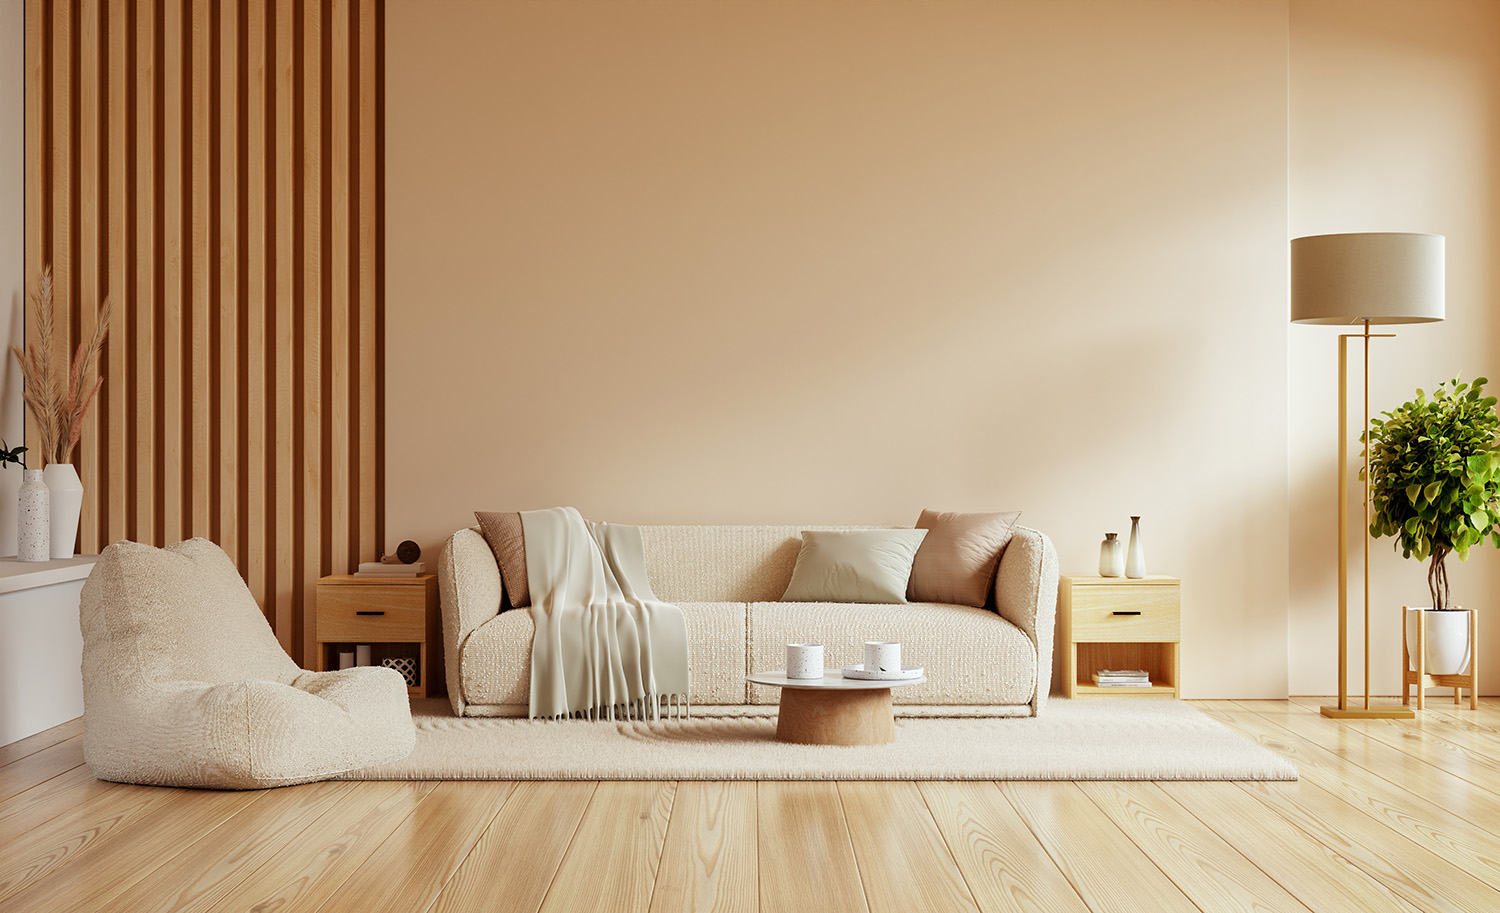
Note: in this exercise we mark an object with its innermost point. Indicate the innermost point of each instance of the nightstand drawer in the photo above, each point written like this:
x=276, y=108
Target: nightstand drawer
x=1125, y=613
x=371, y=613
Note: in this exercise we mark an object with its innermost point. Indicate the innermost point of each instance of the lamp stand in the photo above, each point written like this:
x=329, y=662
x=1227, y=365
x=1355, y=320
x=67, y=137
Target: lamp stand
x=1343, y=711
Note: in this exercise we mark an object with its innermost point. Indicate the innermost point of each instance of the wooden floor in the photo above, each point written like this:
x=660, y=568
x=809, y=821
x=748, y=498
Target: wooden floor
x=1388, y=816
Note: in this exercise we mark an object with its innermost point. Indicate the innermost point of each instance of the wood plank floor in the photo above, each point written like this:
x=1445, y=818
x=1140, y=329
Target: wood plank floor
x=1388, y=816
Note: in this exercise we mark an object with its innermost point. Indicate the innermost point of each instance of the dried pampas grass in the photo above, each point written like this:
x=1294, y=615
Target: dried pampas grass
x=59, y=408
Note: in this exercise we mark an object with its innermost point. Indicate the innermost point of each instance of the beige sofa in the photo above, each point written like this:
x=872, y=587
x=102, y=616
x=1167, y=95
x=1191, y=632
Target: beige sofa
x=728, y=580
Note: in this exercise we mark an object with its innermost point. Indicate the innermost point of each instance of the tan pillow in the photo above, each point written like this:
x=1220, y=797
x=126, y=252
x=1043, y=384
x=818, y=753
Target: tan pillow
x=867, y=565
x=508, y=541
x=957, y=561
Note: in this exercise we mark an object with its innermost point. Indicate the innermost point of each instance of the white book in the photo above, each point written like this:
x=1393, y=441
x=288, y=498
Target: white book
x=376, y=569
x=1108, y=684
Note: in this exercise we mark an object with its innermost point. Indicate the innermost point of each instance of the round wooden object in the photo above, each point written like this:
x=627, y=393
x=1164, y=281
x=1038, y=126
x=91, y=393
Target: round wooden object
x=817, y=716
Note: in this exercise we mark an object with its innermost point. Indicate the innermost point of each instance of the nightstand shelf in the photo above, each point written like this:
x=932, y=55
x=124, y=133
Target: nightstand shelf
x=396, y=616
x=1120, y=623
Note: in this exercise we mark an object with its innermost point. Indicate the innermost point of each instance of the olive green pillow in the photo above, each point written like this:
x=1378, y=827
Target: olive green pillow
x=866, y=565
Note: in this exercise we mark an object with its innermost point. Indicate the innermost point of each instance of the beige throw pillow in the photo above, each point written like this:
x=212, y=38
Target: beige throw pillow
x=867, y=565
x=507, y=540
x=957, y=561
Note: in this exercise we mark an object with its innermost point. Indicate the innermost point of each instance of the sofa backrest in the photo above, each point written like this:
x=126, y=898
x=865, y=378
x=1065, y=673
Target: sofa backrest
x=723, y=563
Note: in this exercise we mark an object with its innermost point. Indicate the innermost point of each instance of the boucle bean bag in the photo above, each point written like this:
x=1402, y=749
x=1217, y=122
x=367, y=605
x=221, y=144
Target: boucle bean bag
x=185, y=685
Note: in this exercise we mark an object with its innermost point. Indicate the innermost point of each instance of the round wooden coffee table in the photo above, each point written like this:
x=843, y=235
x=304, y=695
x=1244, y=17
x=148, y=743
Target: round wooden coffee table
x=834, y=710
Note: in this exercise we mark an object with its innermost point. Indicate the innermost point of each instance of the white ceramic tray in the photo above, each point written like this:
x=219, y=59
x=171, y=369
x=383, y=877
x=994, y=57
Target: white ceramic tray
x=906, y=673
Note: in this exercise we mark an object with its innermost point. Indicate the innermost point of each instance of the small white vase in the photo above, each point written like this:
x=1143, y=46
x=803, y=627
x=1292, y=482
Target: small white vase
x=1135, y=564
x=1111, y=556
x=33, y=518
x=1447, y=640
x=67, y=504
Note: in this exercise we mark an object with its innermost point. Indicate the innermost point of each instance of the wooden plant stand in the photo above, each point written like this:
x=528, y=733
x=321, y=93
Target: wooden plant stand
x=1420, y=676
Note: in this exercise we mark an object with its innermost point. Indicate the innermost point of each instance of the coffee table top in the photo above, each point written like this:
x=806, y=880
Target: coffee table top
x=832, y=680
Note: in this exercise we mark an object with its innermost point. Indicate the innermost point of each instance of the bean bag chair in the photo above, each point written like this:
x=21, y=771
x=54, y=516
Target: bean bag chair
x=185, y=685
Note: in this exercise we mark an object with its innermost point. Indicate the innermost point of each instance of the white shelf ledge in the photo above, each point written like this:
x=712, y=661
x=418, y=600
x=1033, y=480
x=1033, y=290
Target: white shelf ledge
x=25, y=575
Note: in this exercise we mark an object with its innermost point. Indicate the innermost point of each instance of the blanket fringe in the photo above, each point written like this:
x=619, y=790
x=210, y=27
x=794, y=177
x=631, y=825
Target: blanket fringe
x=652, y=708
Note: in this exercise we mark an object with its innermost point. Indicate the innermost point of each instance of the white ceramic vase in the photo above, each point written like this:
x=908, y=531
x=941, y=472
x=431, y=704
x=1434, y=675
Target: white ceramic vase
x=1135, y=563
x=1111, y=556
x=33, y=518
x=1447, y=640
x=67, y=503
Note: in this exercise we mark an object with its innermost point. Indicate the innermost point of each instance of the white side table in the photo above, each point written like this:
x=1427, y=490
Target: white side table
x=41, y=646
x=834, y=710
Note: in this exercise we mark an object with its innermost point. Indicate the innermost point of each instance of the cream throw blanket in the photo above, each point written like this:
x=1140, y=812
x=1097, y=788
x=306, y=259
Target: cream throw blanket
x=605, y=646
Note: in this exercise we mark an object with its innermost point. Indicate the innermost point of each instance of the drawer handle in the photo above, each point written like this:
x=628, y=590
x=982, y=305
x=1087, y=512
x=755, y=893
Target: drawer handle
x=382, y=613
x=1112, y=613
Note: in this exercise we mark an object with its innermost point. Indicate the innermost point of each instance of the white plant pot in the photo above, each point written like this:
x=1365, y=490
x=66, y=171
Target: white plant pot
x=66, y=491
x=1447, y=640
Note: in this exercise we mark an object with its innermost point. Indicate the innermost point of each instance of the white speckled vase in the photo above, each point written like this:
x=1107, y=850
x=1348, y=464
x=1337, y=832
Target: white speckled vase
x=33, y=518
x=65, y=490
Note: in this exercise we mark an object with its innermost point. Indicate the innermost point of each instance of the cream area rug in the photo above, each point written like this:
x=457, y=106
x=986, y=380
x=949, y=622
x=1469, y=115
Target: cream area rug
x=1114, y=739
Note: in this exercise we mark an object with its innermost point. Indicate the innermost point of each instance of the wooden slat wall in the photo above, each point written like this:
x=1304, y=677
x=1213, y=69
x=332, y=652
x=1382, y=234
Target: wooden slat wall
x=213, y=166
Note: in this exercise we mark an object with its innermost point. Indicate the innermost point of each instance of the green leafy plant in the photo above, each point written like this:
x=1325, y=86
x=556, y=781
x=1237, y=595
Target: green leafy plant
x=10, y=455
x=1435, y=477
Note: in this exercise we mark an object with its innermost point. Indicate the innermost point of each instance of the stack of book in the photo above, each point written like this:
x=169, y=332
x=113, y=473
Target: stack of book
x=1122, y=678
x=377, y=569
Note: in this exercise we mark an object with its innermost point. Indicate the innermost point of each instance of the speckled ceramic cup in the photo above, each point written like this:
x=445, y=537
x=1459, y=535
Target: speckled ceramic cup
x=804, y=661
x=881, y=657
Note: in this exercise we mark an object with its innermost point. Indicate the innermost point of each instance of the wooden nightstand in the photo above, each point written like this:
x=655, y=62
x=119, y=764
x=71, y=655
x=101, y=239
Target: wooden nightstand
x=1120, y=623
x=396, y=616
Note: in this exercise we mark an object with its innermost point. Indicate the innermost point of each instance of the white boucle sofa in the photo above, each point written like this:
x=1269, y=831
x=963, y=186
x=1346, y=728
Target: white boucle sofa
x=728, y=580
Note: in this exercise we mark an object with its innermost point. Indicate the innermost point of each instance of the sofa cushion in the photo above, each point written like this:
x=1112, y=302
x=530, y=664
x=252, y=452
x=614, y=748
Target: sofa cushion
x=956, y=563
x=496, y=664
x=972, y=656
x=866, y=565
x=507, y=539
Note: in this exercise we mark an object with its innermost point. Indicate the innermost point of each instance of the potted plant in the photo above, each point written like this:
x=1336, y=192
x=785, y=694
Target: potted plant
x=59, y=392
x=1435, y=486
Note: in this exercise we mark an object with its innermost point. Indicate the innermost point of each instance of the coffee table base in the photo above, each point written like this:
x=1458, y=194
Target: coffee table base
x=811, y=716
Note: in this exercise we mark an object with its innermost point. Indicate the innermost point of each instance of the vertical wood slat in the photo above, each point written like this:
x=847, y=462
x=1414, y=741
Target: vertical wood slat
x=200, y=471
x=212, y=167
x=173, y=302
x=61, y=172
x=310, y=363
x=228, y=306
x=142, y=394
x=340, y=534
x=90, y=249
x=257, y=453
x=283, y=543
x=113, y=501
x=363, y=410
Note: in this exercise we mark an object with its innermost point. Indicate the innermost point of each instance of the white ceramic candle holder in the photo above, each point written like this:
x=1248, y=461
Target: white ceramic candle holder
x=362, y=654
x=804, y=661
x=882, y=657
x=346, y=659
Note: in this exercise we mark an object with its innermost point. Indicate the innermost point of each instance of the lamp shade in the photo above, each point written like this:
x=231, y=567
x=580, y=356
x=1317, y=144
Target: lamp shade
x=1382, y=277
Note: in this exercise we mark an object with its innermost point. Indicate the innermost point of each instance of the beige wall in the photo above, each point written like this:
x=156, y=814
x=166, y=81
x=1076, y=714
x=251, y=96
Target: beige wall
x=752, y=262
x=1395, y=126
x=12, y=249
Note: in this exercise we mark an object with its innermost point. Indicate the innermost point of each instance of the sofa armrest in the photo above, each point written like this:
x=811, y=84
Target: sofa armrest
x=1026, y=596
x=470, y=592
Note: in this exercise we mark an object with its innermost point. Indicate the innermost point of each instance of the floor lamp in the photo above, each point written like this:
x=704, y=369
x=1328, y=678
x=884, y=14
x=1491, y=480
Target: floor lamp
x=1363, y=280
